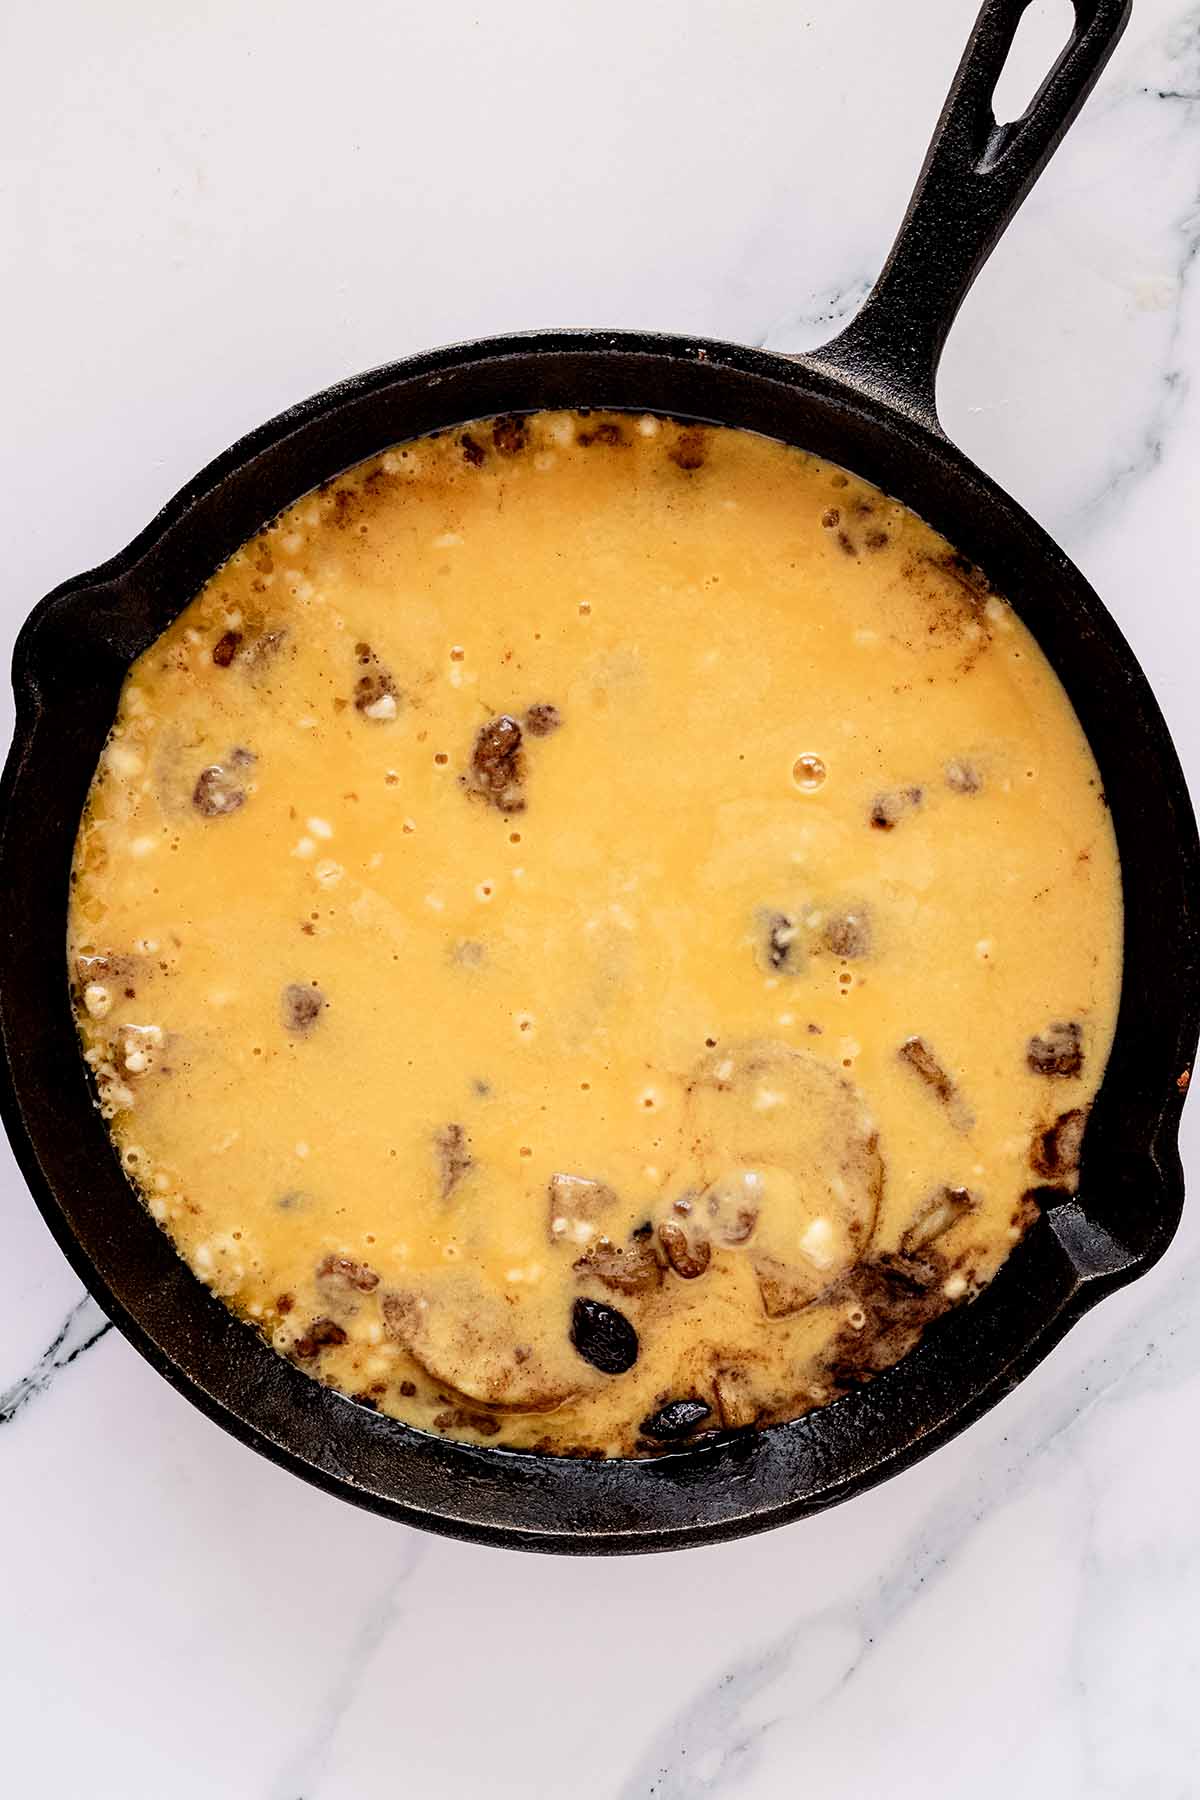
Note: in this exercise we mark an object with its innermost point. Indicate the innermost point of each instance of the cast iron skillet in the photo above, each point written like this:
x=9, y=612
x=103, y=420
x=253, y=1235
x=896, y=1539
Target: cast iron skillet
x=866, y=400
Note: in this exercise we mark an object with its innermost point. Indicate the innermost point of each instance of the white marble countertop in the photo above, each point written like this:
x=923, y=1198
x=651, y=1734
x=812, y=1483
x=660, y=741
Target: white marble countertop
x=210, y=211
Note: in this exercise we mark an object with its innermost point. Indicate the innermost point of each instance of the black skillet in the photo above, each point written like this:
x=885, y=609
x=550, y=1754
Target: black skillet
x=866, y=401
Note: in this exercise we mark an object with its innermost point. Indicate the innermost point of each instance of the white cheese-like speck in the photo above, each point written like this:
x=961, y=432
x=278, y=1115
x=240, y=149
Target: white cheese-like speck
x=122, y=761
x=816, y=1242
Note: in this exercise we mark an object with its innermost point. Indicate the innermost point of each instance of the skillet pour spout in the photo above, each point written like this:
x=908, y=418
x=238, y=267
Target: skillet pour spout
x=866, y=400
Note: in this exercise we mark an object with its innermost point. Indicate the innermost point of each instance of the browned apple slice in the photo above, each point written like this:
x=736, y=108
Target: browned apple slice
x=792, y=1167
x=473, y=1341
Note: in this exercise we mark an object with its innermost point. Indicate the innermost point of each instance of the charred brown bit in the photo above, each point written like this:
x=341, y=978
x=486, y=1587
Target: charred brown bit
x=887, y=810
x=498, y=764
x=847, y=543
x=1058, y=1052
x=689, y=449
x=542, y=719
x=962, y=777
x=779, y=946
x=472, y=450
x=375, y=689
x=831, y=518
x=937, y=1217
x=899, y=1297
x=784, y=1290
x=576, y=1202
x=216, y=794
x=453, y=1154
x=633, y=1269
x=226, y=648
x=875, y=539
x=677, y=1419
x=300, y=1005
x=688, y=1253
x=322, y=1334
x=326, y=1332
x=921, y=1060
x=509, y=434
x=1055, y=1152
x=342, y=1275
x=848, y=934
x=458, y=1417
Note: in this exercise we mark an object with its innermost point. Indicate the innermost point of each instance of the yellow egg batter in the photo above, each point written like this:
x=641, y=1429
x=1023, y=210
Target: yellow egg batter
x=590, y=930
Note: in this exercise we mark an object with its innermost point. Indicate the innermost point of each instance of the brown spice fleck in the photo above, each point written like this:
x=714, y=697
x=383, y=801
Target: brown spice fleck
x=542, y=719
x=226, y=648
x=472, y=450
x=690, y=449
x=962, y=777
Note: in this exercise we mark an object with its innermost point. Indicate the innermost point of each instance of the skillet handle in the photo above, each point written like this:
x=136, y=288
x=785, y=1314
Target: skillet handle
x=975, y=175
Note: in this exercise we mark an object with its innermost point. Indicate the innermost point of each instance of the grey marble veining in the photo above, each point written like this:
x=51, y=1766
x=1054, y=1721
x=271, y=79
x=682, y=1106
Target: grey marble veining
x=212, y=211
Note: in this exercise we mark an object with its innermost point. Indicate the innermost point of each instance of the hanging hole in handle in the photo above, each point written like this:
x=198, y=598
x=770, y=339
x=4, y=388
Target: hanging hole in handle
x=1042, y=34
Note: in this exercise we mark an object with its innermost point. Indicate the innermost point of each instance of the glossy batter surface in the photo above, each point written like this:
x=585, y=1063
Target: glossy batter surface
x=590, y=930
